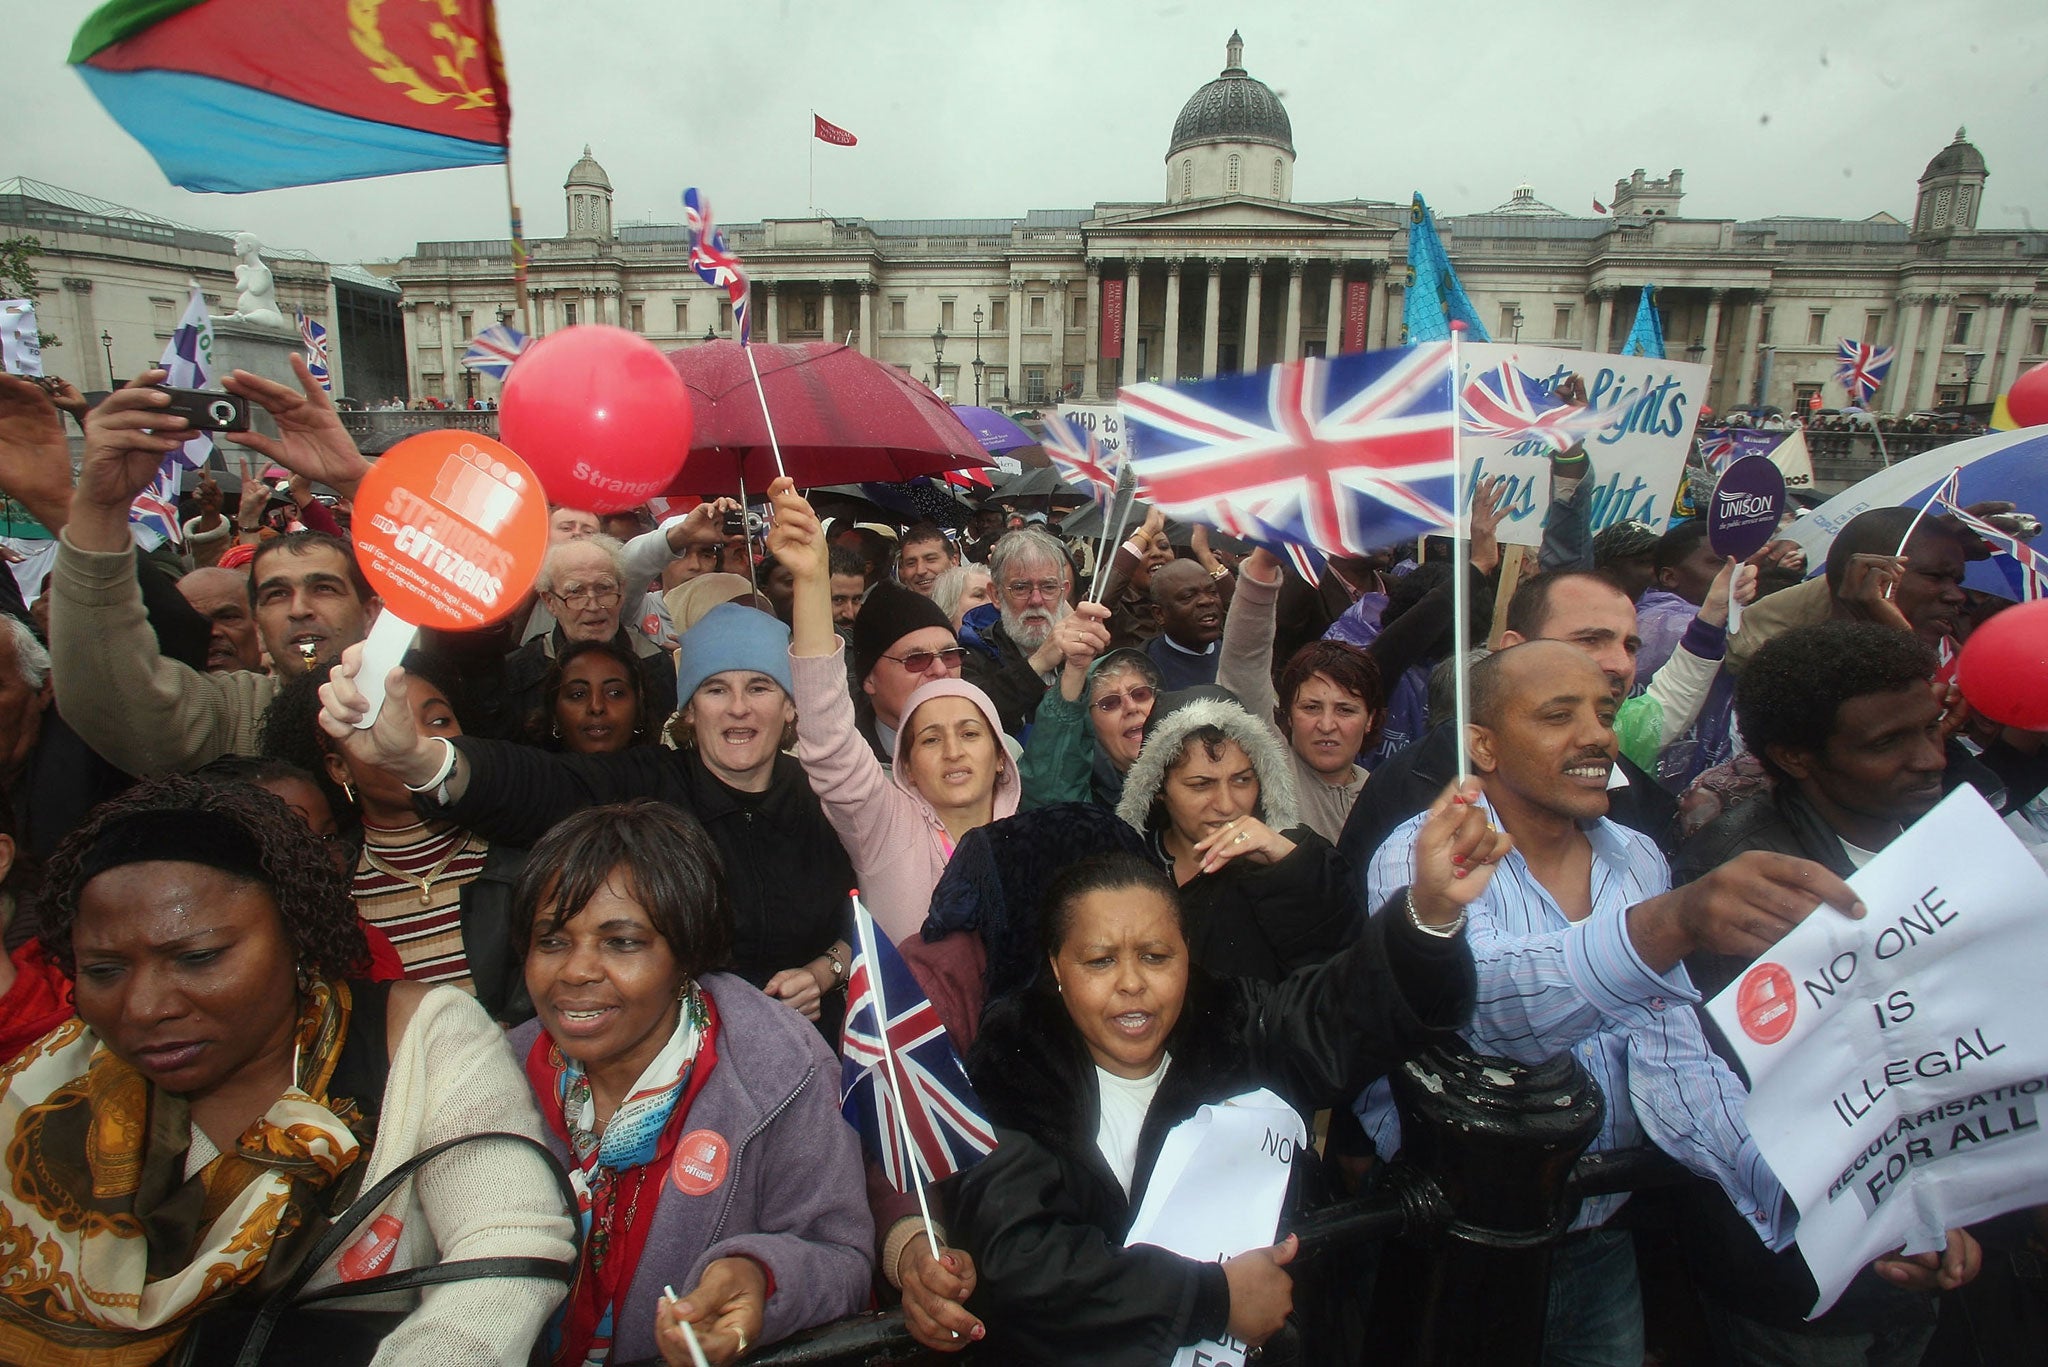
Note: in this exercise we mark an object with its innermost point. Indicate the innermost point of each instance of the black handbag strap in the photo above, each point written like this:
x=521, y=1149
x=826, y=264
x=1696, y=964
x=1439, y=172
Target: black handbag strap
x=337, y=1234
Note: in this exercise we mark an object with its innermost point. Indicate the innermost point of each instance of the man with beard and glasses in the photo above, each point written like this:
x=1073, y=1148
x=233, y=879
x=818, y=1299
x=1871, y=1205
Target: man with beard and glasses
x=1019, y=642
x=1579, y=941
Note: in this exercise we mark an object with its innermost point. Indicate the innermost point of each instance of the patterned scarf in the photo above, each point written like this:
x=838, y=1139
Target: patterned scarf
x=112, y=1251
x=619, y=1168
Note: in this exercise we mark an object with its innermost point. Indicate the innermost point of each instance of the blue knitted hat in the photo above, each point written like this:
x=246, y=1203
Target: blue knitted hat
x=731, y=637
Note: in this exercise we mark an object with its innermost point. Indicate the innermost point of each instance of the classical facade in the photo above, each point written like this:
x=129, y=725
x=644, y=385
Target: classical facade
x=113, y=284
x=1227, y=272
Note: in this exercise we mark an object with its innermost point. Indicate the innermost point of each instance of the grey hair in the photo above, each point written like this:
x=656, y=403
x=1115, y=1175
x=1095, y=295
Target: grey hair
x=29, y=656
x=951, y=586
x=1028, y=544
x=613, y=552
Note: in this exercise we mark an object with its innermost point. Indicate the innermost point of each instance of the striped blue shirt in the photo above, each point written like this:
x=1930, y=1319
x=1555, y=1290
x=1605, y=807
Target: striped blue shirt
x=1548, y=984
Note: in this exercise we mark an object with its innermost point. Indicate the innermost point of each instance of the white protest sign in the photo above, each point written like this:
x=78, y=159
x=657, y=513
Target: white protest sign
x=1216, y=1191
x=1899, y=1064
x=1103, y=419
x=21, y=345
x=1636, y=461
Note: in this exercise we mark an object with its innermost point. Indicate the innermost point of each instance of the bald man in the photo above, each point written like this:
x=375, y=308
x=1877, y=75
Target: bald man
x=1189, y=604
x=1578, y=939
x=222, y=598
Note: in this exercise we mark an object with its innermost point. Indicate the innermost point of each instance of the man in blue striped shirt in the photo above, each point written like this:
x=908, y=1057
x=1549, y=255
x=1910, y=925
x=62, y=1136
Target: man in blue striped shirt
x=1578, y=940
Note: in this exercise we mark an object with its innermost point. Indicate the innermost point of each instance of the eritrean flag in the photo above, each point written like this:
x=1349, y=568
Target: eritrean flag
x=240, y=95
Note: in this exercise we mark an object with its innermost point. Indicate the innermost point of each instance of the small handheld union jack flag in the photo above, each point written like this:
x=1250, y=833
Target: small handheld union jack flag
x=315, y=338
x=1863, y=369
x=1347, y=455
x=1079, y=459
x=916, y=1060
x=2025, y=569
x=1507, y=405
x=714, y=264
x=492, y=351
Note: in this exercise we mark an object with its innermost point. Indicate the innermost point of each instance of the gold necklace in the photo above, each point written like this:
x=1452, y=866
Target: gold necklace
x=424, y=881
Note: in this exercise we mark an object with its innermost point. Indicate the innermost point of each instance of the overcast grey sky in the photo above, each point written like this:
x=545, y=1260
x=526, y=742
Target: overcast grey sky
x=1823, y=107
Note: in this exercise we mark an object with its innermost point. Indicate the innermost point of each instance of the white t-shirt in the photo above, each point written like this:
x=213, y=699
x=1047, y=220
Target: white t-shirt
x=1124, y=1104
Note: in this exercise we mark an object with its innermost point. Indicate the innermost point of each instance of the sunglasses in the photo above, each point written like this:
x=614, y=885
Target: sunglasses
x=1140, y=696
x=918, y=661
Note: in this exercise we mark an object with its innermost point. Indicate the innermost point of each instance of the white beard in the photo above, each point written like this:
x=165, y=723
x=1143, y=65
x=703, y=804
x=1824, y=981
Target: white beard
x=1030, y=628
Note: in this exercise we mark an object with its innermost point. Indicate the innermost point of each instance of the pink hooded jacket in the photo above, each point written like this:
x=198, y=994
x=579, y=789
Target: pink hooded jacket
x=897, y=843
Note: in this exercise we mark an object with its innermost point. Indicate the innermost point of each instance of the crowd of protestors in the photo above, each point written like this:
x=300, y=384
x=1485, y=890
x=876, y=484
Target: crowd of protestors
x=535, y=975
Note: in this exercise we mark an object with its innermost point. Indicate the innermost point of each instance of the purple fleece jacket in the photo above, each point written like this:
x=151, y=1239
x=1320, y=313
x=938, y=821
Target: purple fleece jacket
x=793, y=1196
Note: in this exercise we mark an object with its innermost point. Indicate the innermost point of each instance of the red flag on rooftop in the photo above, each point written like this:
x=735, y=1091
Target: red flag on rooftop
x=824, y=131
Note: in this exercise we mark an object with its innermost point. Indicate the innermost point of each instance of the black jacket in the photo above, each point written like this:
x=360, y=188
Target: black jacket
x=1407, y=781
x=1045, y=1219
x=784, y=867
x=495, y=972
x=1008, y=678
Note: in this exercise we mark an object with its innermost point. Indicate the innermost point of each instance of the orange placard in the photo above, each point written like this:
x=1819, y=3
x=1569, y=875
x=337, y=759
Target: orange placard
x=450, y=528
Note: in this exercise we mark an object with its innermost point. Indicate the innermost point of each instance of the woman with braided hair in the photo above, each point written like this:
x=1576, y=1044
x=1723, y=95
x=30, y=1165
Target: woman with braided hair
x=229, y=1086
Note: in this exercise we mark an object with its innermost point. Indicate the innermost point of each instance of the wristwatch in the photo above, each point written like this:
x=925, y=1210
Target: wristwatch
x=838, y=966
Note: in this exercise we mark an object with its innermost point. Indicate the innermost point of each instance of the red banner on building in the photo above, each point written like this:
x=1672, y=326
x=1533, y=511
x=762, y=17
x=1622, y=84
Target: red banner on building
x=1357, y=309
x=1112, y=319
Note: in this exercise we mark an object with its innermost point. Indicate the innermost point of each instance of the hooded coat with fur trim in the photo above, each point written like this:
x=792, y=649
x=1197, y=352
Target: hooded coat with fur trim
x=1044, y=1218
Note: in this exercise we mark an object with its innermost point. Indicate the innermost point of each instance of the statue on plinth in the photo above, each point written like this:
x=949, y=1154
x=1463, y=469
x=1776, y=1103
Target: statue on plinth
x=255, y=289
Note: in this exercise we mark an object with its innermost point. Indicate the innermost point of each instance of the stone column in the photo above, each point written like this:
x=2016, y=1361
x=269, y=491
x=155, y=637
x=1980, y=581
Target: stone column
x=1397, y=311
x=1333, y=323
x=444, y=310
x=1376, y=325
x=1133, y=271
x=1290, y=335
x=1752, y=339
x=79, y=288
x=2012, y=344
x=1254, y=305
x=1937, y=339
x=1897, y=390
x=1710, y=339
x=828, y=312
x=1169, y=366
x=1056, y=372
x=774, y=292
x=1091, y=332
x=867, y=318
x=409, y=309
x=1212, y=316
x=1016, y=366
x=1603, y=327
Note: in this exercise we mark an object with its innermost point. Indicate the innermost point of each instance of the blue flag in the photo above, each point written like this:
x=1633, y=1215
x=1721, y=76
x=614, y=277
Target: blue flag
x=1435, y=298
x=1646, y=338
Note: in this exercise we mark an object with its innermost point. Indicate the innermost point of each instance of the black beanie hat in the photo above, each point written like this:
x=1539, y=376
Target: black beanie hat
x=890, y=613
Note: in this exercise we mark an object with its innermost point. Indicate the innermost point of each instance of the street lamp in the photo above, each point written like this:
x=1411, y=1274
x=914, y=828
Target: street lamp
x=938, y=357
x=977, y=355
x=107, y=341
x=1517, y=321
x=1696, y=351
x=1972, y=362
x=710, y=334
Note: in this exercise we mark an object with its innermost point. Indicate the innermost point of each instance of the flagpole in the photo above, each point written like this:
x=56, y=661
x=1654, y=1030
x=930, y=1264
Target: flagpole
x=766, y=417
x=811, y=190
x=1461, y=626
x=1116, y=538
x=518, y=244
x=864, y=927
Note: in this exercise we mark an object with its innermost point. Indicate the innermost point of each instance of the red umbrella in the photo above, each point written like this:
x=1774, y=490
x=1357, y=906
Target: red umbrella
x=839, y=418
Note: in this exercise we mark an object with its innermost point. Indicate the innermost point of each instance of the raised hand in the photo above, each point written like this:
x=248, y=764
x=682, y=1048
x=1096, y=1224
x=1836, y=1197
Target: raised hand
x=1489, y=509
x=1455, y=854
x=35, y=458
x=394, y=742
x=126, y=440
x=311, y=440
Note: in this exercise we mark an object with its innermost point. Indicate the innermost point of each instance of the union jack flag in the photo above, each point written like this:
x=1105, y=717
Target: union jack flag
x=1346, y=455
x=2025, y=568
x=943, y=1116
x=1717, y=449
x=1863, y=369
x=315, y=337
x=713, y=263
x=154, y=514
x=493, y=350
x=1079, y=459
x=1507, y=405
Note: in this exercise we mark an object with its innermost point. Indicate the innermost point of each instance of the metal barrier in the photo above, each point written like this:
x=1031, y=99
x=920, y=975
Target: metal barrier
x=1492, y=1171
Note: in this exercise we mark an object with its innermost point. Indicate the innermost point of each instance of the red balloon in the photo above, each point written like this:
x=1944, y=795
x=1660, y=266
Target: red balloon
x=599, y=414
x=2003, y=670
x=2027, y=400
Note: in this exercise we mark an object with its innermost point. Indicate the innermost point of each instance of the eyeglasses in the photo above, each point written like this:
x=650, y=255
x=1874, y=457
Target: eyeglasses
x=580, y=595
x=918, y=661
x=1045, y=588
x=1140, y=696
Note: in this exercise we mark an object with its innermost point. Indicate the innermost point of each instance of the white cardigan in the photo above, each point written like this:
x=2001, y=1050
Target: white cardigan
x=453, y=1074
